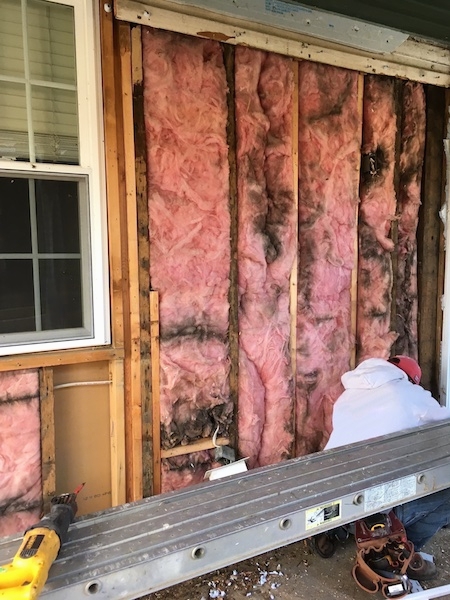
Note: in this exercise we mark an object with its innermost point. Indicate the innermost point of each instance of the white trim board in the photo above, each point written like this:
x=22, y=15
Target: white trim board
x=412, y=59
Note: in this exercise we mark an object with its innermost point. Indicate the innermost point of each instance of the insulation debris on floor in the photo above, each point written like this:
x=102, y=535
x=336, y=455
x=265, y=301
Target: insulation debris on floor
x=296, y=571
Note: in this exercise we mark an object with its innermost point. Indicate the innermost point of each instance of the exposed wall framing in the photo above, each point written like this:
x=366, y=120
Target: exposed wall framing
x=233, y=332
x=431, y=239
x=133, y=358
x=117, y=428
x=144, y=262
x=432, y=292
x=354, y=288
x=47, y=413
x=155, y=399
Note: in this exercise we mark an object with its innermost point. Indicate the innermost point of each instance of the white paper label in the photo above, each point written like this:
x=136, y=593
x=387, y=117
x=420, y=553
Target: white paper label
x=390, y=494
x=323, y=514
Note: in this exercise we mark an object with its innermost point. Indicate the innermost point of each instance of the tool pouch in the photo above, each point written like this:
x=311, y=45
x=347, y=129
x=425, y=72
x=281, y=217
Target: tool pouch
x=383, y=556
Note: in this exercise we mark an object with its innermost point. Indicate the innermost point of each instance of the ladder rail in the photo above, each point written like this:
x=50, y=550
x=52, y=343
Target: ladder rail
x=138, y=548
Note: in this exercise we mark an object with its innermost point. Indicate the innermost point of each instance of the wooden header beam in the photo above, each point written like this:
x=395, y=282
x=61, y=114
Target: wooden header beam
x=417, y=61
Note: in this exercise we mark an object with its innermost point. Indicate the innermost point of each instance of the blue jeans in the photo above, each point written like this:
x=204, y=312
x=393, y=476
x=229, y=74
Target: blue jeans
x=424, y=517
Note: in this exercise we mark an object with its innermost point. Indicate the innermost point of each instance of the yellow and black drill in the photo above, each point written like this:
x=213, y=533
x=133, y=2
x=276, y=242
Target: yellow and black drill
x=25, y=576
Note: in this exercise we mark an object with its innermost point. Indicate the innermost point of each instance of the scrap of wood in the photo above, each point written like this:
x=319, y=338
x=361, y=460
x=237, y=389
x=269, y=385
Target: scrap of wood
x=206, y=444
x=156, y=409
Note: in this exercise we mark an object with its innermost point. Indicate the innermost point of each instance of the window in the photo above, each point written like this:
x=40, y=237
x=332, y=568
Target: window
x=54, y=292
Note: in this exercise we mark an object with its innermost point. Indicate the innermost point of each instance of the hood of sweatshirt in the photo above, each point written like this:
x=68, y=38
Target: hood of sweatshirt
x=372, y=373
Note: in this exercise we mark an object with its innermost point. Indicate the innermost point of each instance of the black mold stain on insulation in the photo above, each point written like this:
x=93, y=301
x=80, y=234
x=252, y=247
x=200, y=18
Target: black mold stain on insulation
x=201, y=423
x=14, y=505
x=15, y=400
x=373, y=166
x=191, y=329
x=331, y=106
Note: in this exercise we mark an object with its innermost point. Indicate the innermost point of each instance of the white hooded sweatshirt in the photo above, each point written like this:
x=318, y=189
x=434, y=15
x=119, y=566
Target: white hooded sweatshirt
x=379, y=399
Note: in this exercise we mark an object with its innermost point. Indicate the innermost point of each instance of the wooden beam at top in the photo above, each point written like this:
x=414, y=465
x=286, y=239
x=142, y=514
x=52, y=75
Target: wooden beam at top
x=418, y=61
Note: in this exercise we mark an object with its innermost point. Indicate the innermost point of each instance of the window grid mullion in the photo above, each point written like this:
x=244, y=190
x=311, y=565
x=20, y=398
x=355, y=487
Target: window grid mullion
x=26, y=63
x=40, y=82
x=35, y=257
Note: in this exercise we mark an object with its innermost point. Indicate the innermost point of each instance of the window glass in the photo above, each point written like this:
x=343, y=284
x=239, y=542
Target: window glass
x=11, y=45
x=14, y=141
x=55, y=123
x=41, y=253
x=15, y=228
x=57, y=216
x=38, y=103
x=51, y=42
x=60, y=293
x=17, y=298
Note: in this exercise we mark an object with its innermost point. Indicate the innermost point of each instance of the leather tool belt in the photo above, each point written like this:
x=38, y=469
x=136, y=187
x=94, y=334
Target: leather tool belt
x=383, y=556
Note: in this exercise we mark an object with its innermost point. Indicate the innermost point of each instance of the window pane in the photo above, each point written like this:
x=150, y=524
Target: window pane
x=42, y=289
x=55, y=124
x=13, y=121
x=16, y=296
x=60, y=293
x=51, y=42
x=11, y=43
x=39, y=109
x=57, y=216
x=15, y=230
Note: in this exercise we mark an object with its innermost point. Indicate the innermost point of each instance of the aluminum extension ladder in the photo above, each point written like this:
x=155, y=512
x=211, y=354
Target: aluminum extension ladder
x=135, y=549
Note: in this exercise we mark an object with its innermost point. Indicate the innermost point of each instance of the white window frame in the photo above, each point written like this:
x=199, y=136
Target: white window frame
x=91, y=165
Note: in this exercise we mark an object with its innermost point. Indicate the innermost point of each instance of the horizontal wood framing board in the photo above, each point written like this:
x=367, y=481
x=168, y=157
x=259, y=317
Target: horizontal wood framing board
x=206, y=444
x=414, y=60
x=54, y=359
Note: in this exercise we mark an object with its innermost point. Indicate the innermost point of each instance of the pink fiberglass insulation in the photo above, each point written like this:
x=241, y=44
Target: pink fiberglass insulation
x=177, y=476
x=377, y=211
x=20, y=451
x=411, y=164
x=329, y=158
x=266, y=251
x=185, y=108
